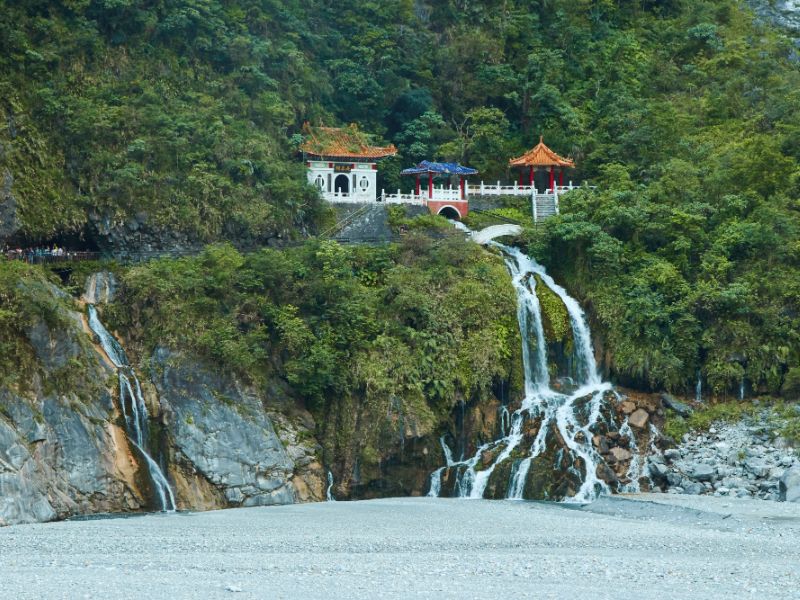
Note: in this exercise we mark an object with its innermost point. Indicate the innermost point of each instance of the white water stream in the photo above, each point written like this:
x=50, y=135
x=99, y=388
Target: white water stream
x=134, y=408
x=329, y=490
x=572, y=415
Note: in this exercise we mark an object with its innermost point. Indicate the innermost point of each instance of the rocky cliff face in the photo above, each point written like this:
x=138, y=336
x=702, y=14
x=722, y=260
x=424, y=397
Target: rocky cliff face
x=64, y=450
x=9, y=223
x=218, y=433
x=61, y=450
x=784, y=13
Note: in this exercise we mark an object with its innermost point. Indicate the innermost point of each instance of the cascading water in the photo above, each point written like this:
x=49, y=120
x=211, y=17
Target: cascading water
x=329, y=490
x=698, y=389
x=134, y=408
x=436, y=476
x=571, y=415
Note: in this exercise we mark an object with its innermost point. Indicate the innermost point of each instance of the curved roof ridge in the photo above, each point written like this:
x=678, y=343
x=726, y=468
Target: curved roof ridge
x=541, y=156
x=443, y=168
x=342, y=142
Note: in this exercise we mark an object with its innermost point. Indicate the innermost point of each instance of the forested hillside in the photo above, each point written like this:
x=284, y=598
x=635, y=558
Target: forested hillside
x=184, y=116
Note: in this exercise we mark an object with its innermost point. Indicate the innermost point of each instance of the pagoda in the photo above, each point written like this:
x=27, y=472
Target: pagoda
x=540, y=157
x=342, y=163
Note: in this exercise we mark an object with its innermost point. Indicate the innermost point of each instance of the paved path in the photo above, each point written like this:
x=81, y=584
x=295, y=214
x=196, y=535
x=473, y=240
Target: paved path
x=659, y=546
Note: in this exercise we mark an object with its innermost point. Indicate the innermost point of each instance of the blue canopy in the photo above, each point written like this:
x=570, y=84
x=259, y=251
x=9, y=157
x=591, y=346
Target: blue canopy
x=439, y=168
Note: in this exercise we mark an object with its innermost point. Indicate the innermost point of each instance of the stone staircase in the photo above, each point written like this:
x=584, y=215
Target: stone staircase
x=545, y=206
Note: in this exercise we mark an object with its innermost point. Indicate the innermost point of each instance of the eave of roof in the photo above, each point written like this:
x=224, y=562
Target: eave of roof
x=439, y=168
x=541, y=156
x=345, y=142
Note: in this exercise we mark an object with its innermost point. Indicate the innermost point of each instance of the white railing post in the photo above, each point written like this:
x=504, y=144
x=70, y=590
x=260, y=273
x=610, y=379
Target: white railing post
x=533, y=204
x=555, y=200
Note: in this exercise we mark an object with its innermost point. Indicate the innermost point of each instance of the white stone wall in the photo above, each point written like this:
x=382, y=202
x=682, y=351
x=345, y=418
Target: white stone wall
x=362, y=181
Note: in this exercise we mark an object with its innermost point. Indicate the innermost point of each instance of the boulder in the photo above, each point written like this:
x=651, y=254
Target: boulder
x=789, y=486
x=757, y=467
x=684, y=410
x=627, y=407
x=703, y=472
x=672, y=454
x=639, y=418
x=620, y=454
x=694, y=488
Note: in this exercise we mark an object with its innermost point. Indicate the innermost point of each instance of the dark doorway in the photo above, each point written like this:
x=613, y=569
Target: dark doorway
x=449, y=212
x=342, y=184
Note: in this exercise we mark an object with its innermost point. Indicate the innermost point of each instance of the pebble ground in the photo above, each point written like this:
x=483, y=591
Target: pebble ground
x=648, y=546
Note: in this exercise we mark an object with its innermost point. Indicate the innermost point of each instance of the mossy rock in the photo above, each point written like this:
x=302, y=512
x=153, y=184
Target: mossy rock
x=497, y=486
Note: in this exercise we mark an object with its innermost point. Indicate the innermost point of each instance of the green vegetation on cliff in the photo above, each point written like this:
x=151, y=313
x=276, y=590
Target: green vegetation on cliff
x=183, y=114
x=388, y=337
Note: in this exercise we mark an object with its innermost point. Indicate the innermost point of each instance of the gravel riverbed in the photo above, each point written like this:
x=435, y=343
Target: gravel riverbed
x=649, y=545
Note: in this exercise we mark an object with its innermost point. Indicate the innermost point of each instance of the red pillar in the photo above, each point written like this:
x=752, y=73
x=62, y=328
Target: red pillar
x=430, y=185
x=552, y=178
x=416, y=185
x=531, y=176
x=561, y=178
x=521, y=177
x=461, y=185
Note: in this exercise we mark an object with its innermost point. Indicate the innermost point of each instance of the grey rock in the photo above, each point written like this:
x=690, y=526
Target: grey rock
x=673, y=479
x=776, y=473
x=658, y=470
x=221, y=431
x=684, y=410
x=703, y=472
x=59, y=455
x=672, y=454
x=694, y=489
x=757, y=467
x=101, y=287
x=639, y=418
x=789, y=486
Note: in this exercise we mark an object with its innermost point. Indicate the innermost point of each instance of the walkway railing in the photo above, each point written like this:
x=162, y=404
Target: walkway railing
x=38, y=257
x=438, y=194
x=515, y=190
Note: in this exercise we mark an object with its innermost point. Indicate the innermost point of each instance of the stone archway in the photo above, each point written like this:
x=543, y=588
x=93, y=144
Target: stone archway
x=450, y=212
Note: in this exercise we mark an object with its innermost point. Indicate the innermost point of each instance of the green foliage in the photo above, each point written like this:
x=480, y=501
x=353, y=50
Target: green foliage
x=29, y=298
x=685, y=115
x=405, y=328
x=705, y=416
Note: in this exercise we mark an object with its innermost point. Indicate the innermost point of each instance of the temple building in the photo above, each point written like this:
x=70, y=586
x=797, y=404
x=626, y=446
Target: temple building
x=342, y=163
x=541, y=158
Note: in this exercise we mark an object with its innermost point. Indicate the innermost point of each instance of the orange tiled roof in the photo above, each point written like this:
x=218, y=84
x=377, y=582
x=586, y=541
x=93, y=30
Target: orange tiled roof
x=541, y=156
x=344, y=142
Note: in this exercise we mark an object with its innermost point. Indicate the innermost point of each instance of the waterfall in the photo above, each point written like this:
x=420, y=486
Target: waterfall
x=505, y=420
x=329, y=490
x=436, y=476
x=698, y=389
x=134, y=408
x=571, y=415
x=741, y=388
x=635, y=469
